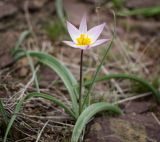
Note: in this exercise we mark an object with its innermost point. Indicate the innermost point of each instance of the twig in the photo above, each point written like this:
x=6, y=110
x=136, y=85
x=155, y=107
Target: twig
x=40, y=133
x=155, y=117
x=133, y=98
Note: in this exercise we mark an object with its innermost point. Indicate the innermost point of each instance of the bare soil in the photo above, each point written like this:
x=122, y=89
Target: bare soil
x=141, y=119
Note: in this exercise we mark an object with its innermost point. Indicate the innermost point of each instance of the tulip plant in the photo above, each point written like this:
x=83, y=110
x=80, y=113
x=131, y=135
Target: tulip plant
x=82, y=110
x=83, y=39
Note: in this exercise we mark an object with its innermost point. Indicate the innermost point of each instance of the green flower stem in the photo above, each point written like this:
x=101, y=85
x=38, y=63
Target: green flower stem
x=130, y=77
x=80, y=84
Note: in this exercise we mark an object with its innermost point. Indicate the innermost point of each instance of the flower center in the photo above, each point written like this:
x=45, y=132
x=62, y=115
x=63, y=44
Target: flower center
x=83, y=39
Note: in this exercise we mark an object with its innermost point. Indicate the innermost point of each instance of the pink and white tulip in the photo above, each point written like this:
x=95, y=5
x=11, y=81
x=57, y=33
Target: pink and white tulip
x=83, y=39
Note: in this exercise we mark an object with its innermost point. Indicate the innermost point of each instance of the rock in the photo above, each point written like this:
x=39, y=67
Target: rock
x=23, y=72
x=7, y=9
x=127, y=131
x=46, y=77
x=95, y=2
x=126, y=128
x=7, y=41
x=34, y=4
x=23, y=67
x=137, y=107
x=96, y=127
x=73, y=11
x=144, y=27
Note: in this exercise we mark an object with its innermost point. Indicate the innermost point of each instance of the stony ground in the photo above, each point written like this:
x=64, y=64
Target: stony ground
x=136, y=50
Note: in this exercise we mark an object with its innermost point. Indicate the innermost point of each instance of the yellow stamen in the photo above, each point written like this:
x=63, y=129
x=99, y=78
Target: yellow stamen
x=83, y=39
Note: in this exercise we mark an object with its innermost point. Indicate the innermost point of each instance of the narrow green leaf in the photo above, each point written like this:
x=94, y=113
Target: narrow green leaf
x=52, y=99
x=66, y=76
x=3, y=113
x=87, y=97
x=33, y=71
x=40, y=95
x=60, y=11
x=130, y=77
x=17, y=109
x=87, y=114
x=22, y=37
x=118, y=3
x=96, y=73
x=149, y=11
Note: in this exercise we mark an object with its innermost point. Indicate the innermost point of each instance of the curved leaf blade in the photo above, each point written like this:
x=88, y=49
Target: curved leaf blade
x=60, y=11
x=130, y=77
x=147, y=11
x=66, y=76
x=22, y=37
x=35, y=94
x=87, y=114
x=17, y=109
x=52, y=99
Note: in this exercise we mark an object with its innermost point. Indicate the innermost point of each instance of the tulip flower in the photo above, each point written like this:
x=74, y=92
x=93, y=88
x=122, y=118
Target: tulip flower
x=83, y=39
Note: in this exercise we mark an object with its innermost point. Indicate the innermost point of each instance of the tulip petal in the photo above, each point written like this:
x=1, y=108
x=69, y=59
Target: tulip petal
x=83, y=25
x=99, y=42
x=95, y=32
x=73, y=31
x=72, y=44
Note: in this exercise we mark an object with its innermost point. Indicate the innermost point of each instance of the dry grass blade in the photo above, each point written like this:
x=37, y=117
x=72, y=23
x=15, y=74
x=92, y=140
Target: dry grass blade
x=45, y=96
x=40, y=133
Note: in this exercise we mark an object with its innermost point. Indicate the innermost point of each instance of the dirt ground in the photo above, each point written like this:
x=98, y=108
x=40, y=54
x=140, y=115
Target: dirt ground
x=136, y=50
